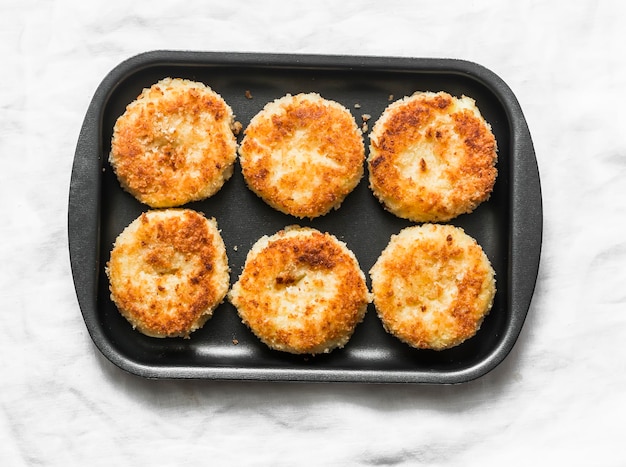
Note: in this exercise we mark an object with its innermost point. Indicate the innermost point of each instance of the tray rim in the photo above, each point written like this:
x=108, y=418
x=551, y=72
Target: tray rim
x=526, y=213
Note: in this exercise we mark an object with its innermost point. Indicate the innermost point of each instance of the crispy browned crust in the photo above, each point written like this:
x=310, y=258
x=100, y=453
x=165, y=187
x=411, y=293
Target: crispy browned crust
x=174, y=144
x=302, y=154
x=432, y=157
x=433, y=285
x=168, y=271
x=301, y=292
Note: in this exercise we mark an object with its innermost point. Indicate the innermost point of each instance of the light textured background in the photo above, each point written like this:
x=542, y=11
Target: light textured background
x=558, y=399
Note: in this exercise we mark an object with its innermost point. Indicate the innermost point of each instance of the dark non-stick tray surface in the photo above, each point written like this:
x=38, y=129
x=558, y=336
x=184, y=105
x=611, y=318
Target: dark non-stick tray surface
x=508, y=226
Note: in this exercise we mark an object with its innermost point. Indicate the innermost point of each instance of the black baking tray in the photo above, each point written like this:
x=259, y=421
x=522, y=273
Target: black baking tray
x=508, y=226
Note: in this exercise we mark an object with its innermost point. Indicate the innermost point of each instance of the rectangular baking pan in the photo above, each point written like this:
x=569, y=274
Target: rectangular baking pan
x=508, y=226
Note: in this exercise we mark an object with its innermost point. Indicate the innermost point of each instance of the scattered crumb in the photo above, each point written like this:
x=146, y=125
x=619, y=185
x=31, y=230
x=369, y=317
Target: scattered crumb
x=357, y=106
x=235, y=342
x=235, y=247
x=390, y=98
x=248, y=94
x=364, y=125
x=237, y=126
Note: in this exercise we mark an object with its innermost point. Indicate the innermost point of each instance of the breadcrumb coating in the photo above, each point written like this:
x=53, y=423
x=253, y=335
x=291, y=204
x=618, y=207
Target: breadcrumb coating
x=432, y=286
x=301, y=291
x=174, y=144
x=303, y=155
x=168, y=271
x=432, y=157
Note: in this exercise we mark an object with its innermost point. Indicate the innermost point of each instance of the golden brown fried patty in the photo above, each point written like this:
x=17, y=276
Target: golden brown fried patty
x=301, y=291
x=174, y=144
x=432, y=286
x=432, y=157
x=302, y=154
x=168, y=271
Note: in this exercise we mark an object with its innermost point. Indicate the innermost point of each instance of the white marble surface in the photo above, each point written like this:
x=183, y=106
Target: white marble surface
x=558, y=399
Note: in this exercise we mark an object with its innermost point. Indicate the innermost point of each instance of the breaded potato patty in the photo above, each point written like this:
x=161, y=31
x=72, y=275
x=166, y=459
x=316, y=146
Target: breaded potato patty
x=168, y=271
x=301, y=291
x=302, y=154
x=174, y=144
x=432, y=157
x=432, y=286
